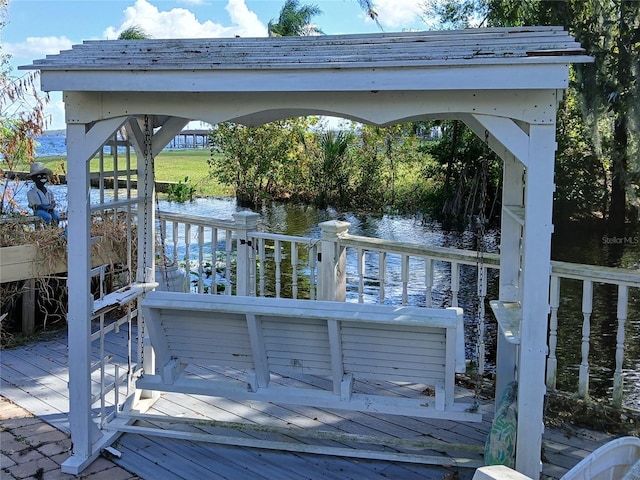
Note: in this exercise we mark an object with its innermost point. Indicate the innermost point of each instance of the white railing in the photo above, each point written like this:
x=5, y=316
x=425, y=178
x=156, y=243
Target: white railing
x=624, y=299
x=285, y=263
x=205, y=247
x=362, y=269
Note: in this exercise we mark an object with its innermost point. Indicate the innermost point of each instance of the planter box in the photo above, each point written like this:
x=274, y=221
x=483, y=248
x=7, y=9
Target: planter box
x=21, y=262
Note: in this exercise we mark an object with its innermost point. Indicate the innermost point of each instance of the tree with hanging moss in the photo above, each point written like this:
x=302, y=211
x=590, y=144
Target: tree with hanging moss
x=606, y=94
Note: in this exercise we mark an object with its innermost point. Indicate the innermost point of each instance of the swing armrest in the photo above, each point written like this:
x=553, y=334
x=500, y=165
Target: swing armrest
x=122, y=296
x=509, y=317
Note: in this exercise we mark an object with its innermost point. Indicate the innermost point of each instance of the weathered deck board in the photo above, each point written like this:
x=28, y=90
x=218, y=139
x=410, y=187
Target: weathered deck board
x=35, y=377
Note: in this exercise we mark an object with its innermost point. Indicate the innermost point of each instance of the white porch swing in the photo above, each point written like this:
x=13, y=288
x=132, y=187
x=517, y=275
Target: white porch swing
x=503, y=81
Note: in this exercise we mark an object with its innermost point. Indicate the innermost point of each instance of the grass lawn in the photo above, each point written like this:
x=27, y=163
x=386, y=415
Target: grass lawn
x=171, y=166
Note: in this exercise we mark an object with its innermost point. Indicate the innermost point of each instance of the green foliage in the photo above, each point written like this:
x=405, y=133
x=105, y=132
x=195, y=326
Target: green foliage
x=256, y=161
x=182, y=191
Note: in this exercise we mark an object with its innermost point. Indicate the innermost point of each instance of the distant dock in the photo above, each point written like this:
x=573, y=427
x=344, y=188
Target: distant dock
x=94, y=181
x=190, y=139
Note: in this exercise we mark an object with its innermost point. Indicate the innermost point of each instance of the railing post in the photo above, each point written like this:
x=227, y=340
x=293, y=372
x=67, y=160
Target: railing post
x=332, y=264
x=245, y=222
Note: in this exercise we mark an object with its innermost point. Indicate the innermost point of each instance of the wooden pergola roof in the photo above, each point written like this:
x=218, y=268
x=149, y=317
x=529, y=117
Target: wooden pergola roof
x=503, y=83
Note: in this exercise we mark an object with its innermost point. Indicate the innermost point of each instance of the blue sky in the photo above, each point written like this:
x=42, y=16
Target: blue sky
x=36, y=28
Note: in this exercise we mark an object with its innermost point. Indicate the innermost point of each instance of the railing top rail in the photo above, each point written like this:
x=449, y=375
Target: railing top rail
x=578, y=271
x=596, y=273
x=440, y=253
x=197, y=220
x=283, y=238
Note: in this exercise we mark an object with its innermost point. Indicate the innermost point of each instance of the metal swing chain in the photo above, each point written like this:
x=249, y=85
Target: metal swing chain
x=480, y=292
x=145, y=228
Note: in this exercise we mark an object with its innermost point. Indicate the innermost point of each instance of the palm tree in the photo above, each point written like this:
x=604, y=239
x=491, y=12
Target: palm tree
x=333, y=176
x=369, y=7
x=295, y=20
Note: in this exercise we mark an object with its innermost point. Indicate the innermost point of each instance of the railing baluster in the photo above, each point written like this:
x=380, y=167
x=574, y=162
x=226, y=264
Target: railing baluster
x=623, y=300
x=163, y=249
x=455, y=283
x=428, y=282
x=554, y=301
x=361, y=268
x=313, y=259
x=213, y=290
x=228, y=247
x=252, y=268
x=382, y=274
x=187, y=246
x=404, y=277
x=587, y=309
x=174, y=241
x=294, y=270
x=201, y=258
x=261, y=253
x=278, y=259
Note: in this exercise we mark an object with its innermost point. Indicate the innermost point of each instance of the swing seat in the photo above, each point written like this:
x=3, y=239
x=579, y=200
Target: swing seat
x=344, y=343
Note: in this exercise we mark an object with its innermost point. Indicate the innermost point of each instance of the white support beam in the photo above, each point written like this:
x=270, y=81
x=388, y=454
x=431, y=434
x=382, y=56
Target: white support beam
x=504, y=134
x=376, y=107
x=167, y=132
x=536, y=268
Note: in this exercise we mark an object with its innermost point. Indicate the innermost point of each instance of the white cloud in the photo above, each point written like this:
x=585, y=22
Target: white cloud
x=182, y=23
x=38, y=46
x=398, y=14
x=246, y=20
x=55, y=112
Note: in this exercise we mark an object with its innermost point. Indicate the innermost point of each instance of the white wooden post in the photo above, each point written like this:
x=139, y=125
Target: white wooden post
x=332, y=264
x=510, y=239
x=536, y=270
x=245, y=222
x=82, y=144
x=83, y=430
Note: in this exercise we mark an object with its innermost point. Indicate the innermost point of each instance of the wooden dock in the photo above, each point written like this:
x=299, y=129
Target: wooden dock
x=35, y=377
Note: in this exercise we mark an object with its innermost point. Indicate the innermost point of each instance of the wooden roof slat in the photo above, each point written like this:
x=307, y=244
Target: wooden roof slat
x=436, y=48
x=406, y=49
